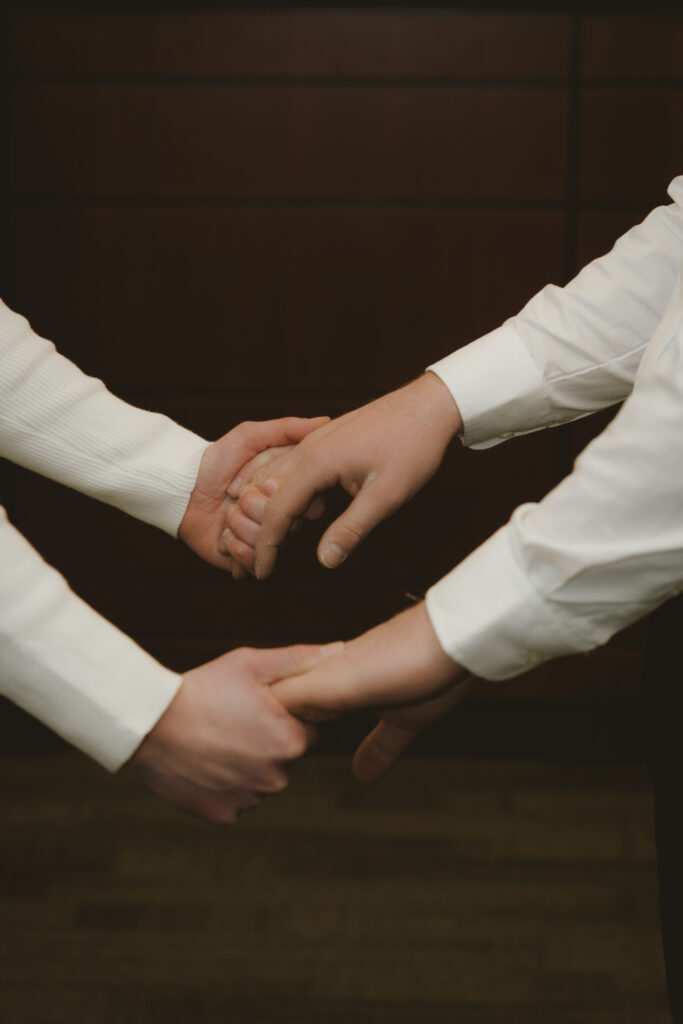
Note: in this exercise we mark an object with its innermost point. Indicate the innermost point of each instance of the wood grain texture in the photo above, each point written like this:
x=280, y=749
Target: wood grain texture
x=295, y=44
x=291, y=301
x=261, y=142
x=632, y=48
x=615, y=124
x=275, y=188
x=493, y=893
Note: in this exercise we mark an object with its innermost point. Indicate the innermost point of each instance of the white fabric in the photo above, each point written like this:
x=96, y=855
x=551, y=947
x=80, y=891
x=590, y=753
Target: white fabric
x=605, y=547
x=59, y=659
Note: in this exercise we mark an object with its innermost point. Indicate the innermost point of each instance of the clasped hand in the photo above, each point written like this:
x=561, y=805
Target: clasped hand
x=234, y=724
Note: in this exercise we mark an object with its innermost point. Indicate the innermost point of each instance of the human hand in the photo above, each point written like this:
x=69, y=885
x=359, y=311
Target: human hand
x=381, y=454
x=399, y=666
x=247, y=448
x=398, y=727
x=223, y=742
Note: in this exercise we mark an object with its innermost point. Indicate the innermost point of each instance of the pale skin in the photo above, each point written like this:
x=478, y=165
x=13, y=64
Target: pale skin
x=224, y=741
x=381, y=454
x=248, y=448
x=398, y=667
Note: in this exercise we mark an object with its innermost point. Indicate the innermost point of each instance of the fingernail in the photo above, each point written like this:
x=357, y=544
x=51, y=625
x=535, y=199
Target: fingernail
x=269, y=487
x=235, y=487
x=332, y=555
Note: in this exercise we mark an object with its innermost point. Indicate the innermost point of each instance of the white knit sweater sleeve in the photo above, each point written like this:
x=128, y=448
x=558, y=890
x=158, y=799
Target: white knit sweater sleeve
x=59, y=659
x=56, y=420
x=69, y=667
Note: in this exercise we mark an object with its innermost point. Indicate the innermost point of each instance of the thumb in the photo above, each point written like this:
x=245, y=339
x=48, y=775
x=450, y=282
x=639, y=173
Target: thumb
x=320, y=691
x=253, y=437
x=285, y=431
x=281, y=662
x=379, y=751
x=354, y=524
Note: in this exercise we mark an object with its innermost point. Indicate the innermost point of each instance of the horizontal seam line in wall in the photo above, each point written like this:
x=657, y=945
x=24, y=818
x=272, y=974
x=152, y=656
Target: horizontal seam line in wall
x=305, y=205
x=407, y=81
x=294, y=205
x=404, y=81
x=637, y=84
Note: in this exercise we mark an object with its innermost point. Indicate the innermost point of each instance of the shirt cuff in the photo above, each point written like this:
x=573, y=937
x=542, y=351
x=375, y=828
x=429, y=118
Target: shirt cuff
x=489, y=618
x=497, y=387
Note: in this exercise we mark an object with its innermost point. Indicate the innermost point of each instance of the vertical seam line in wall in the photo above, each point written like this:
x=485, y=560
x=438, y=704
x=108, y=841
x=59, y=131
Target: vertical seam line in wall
x=7, y=474
x=565, y=452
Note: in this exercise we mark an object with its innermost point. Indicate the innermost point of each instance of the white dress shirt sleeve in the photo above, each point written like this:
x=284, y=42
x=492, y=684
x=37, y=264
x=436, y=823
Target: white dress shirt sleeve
x=605, y=547
x=572, y=350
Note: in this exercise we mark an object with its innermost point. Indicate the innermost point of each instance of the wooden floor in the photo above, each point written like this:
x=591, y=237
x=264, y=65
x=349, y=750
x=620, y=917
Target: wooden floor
x=469, y=892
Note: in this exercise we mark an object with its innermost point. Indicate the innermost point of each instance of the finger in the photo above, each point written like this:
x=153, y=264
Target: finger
x=289, y=499
x=252, y=503
x=241, y=553
x=238, y=571
x=257, y=468
x=316, y=509
x=273, y=664
x=320, y=693
x=243, y=528
x=366, y=510
x=312, y=735
x=254, y=437
x=379, y=751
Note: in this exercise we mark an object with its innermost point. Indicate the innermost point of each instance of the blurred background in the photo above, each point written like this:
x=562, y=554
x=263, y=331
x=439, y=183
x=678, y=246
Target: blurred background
x=243, y=212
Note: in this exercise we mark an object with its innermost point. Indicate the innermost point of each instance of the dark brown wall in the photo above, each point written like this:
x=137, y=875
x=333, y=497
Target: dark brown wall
x=248, y=214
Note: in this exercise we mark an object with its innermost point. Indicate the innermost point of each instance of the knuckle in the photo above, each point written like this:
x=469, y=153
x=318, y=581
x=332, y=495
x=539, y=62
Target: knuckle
x=276, y=782
x=351, y=531
x=219, y=814
x=296, y=743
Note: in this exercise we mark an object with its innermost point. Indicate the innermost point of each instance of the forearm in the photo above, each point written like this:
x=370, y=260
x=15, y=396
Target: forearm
x=69, y=667
x=56, y=420
x=602, y=550
x=572, y=350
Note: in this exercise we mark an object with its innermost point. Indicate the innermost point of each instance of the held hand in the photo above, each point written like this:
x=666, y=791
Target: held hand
x=246, y=449
x=224, y=740
x=381, y=454
x=398, y=665
x=398, y=727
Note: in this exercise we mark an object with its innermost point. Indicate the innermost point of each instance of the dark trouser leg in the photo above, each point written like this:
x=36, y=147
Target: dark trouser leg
x=664, y=697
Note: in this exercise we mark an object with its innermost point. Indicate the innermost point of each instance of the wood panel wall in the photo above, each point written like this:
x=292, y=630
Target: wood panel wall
x=246, y=214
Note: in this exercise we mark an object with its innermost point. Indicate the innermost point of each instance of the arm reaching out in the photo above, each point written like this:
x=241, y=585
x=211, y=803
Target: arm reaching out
x=569, y=352
x=399, y=666
x=381, y=454
x=60, y=422
x=211, y=742
x=224, y=741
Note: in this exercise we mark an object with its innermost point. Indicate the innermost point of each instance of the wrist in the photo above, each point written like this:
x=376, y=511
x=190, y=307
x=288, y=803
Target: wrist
x=441, y=402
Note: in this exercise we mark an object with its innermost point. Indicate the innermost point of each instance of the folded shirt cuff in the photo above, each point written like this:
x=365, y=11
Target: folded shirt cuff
x=489, y=618
x=497, y=387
